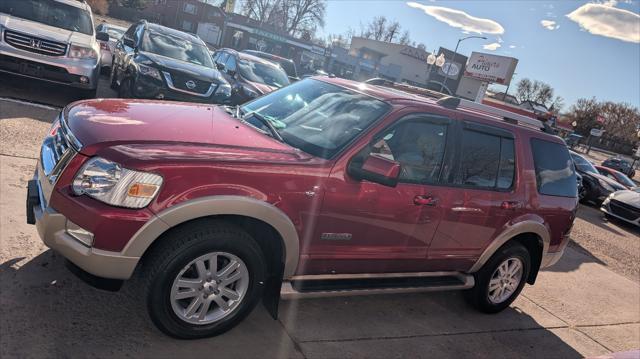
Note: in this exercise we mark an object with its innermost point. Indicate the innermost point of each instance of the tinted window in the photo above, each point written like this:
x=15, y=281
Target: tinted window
x=419, y=148
x=555, y=175
x=480, y=159
x=315, y=116
x=231, y=64
x=582, y=164
x=222, y=58
x=49, y=12
x=176, y=48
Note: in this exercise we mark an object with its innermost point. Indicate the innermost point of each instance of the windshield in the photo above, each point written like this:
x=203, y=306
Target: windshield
x=263, y=73
x=50, y=13
x=622, y=178
x=289, y=67
x=317, y=117
x=582, y=164
x=113, y=32
x=176, y=48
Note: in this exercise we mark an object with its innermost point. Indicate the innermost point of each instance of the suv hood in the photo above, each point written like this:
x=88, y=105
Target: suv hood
x=44, y=31
x=163, y=63
x=606, y=179
x=629, y=197
x=110, y=122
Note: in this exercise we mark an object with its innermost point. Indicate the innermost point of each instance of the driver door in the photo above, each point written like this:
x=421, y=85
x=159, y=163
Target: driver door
x=366, y=227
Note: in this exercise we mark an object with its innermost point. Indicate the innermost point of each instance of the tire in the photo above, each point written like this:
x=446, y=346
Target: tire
x=488, y=301
x=124, y=91
x=176, y=259
x=585, y=195
x=113, y=83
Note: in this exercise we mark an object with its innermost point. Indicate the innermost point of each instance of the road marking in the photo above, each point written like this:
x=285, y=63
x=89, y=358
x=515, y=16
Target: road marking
x=30, y=103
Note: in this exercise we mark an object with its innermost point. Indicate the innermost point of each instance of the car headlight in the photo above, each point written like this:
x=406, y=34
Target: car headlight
x=224, y=89
x=149, y=71
x=606, y=186
x=108, y=182
x=81, y=52
x=249, y=92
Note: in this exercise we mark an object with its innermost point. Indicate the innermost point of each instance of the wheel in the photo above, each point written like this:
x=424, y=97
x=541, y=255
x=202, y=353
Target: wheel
x=113, y=83
x=203, y=279
x=501, y=279
x=584, y=196
x=125, y=88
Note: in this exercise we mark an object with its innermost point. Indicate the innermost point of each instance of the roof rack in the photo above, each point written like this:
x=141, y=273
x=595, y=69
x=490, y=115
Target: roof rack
x=453, y=102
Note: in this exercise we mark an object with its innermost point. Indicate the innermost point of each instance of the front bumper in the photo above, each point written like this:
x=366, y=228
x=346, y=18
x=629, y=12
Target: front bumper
x=60, y=70
x=624, y=214
x=153, y=89
x=51, y=227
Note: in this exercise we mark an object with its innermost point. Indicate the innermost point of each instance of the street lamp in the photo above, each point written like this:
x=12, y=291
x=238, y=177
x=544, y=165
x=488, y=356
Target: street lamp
x=431, y=60
x=455, y=52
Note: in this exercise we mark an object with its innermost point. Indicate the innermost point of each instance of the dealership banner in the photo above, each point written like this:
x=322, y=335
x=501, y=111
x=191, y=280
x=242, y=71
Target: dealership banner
x=491, y=68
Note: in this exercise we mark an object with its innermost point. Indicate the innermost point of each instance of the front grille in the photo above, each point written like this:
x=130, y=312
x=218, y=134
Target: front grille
x=624, y=210
x=180, y=81
x=56, y=151
x=34, y=44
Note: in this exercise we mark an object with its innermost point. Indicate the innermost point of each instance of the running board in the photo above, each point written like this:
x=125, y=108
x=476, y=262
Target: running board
x=338, y=285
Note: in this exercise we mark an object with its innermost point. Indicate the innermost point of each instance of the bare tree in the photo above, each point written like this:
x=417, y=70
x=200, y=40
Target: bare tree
x=382, y=29
x=540, y=92
x=621, y=120
x=392, y=32
x=293, y=17
x=405, y=39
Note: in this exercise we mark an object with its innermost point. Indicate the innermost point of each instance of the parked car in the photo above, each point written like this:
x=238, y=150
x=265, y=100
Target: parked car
x=595, y=187
x=573, y=140
x=156, y=62
x=51, y=40
x=323, y=187
x=249, y=76
x=621, y=165
x=107, y=47
x=616, y=176
x=624, y=205
x=287, y=64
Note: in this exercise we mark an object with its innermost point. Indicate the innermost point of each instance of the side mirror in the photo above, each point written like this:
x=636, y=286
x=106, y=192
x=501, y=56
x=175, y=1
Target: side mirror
x=220, y=66
x=102, y=36
x=128, y=42
x=377, y=169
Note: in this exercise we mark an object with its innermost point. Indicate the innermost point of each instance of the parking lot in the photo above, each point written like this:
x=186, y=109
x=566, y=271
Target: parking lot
x=586, y=305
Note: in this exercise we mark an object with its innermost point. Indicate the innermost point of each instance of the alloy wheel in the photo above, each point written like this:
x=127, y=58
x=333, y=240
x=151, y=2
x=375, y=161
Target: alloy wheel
x=505, y=280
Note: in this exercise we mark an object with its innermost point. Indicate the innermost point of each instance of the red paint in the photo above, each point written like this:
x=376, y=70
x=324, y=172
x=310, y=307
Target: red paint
x=382, y=166
x=200, y=150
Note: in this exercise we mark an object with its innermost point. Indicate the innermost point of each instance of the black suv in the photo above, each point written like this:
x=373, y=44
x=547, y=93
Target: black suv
x=620, y=165
x=156, y=62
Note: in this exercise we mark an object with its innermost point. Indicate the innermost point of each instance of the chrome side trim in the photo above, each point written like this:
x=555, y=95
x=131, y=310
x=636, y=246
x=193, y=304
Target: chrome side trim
x=466, y=209
x=167, y=77
x=374, y=275
x=287, y=292
x=71, y=138
x=516, y=229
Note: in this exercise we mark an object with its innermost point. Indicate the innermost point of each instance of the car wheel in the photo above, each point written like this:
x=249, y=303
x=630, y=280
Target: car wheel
x=125, y=88
x=113, y=83
x=501, y=279
x=584, y=195
x=204, y=279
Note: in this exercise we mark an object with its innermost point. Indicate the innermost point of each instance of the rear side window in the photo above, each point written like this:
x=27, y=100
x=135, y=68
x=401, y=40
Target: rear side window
x=487, y=161
x=555, y=175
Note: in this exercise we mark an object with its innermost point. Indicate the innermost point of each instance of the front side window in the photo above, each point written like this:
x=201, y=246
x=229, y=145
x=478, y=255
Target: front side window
x=49, y=12
x=554, y=169
x=263, y=73
x=486, y=161
x=418, y=146
x=315, y=116
x=230, y=65
x=176, y=48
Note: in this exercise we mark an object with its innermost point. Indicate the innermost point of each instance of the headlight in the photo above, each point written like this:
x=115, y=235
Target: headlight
x=81, y=52
x=606, y=186
x=249, y=92
x=108, y=182
x=224, y=89
x=149, y=71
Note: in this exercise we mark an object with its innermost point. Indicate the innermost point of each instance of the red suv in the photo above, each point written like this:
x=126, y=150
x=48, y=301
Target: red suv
x=324, y=187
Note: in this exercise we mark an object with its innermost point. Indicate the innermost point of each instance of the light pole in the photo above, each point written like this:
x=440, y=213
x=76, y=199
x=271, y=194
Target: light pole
x=455, y=52
x=432, y=59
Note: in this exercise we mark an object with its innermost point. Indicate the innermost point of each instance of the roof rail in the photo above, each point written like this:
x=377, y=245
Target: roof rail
x=452, y=102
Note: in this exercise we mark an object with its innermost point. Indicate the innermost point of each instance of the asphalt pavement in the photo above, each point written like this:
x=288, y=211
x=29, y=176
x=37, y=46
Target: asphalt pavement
x=586, y=305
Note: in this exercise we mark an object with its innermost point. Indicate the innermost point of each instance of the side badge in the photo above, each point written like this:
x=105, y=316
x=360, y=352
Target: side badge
x=335, y=236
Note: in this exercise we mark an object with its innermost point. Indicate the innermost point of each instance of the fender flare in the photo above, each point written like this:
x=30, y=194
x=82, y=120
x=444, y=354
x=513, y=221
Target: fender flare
x=219, y=205
x=528, y=226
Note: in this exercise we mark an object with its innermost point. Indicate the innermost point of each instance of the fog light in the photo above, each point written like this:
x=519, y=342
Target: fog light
x=82, y=235
x=84, y=79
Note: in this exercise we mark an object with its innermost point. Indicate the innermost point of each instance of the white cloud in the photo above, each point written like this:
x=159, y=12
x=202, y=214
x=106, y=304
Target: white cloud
x=492, y=46
x=608, y=21
x=549, y=24
x=512, y=46
x=460, y=19
x=500, y=39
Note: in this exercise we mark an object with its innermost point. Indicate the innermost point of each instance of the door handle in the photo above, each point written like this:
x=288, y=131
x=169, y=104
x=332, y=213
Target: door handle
x=510, y=205
x=425, y=200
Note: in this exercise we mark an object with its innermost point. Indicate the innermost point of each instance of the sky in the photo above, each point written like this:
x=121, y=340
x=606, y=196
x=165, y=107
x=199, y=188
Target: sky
x=582, y=49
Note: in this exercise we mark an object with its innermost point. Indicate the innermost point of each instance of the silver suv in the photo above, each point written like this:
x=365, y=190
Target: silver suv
x=51, y=40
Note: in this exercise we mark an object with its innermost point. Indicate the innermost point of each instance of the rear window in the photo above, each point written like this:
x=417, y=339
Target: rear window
x=555, y=175
x=487, y=161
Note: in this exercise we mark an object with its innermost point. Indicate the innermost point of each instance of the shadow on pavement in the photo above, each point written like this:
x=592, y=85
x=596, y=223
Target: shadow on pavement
x=64, y=317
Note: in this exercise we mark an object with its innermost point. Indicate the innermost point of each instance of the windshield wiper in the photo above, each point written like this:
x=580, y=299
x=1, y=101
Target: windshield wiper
x=274, y=132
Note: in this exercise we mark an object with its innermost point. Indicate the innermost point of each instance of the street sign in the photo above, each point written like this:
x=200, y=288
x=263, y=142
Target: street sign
x=596, y=132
